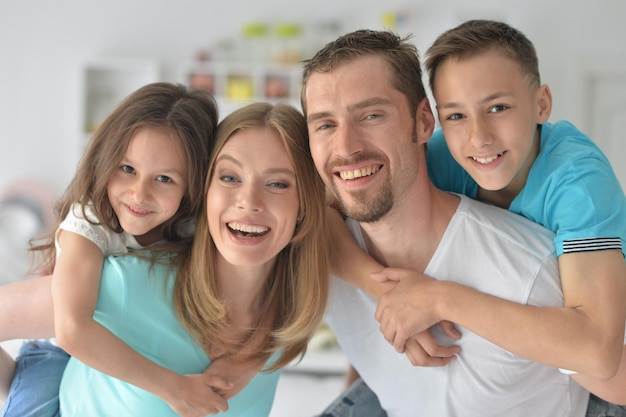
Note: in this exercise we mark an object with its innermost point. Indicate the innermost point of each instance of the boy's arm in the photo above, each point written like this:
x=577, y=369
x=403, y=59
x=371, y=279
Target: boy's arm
x=612, y=390
x=586, y=335
x=75, y=286
x=351, y=263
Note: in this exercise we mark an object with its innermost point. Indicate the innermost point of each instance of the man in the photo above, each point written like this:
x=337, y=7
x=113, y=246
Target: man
x=369, y=120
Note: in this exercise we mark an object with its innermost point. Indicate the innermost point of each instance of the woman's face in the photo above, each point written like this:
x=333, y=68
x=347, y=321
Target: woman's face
x=252, y=201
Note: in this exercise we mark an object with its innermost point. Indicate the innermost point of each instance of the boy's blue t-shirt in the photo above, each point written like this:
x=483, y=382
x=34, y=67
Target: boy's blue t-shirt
x=135, y=303
x=571, y=189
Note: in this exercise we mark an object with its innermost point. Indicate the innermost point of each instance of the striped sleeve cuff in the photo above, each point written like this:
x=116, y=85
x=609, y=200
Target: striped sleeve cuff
x=592, y=244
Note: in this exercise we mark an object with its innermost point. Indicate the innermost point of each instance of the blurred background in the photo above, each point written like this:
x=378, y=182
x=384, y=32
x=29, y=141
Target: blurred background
x=66, y=64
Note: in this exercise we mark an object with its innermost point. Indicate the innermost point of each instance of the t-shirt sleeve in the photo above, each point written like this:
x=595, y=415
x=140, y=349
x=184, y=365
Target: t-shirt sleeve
x=76, y=222
x=587, y=208
x=443, y=170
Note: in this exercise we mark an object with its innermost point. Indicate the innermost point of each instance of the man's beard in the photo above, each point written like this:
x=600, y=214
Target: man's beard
x=368, y=210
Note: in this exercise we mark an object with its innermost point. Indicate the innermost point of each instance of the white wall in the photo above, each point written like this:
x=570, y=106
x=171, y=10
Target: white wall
x=42, y=46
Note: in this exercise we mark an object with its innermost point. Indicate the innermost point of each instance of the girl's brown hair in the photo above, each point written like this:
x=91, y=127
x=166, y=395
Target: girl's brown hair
x=190, y=117
x=297, y=288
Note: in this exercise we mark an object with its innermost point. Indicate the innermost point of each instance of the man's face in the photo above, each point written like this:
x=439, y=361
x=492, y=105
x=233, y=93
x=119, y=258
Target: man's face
x=362, y=136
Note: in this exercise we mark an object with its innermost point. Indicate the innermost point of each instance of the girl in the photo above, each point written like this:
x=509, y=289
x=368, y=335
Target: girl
x=138, y=186
x=252, y=289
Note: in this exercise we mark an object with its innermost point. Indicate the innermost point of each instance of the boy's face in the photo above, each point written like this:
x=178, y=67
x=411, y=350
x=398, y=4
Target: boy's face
x=489, y=113
x=363, y=137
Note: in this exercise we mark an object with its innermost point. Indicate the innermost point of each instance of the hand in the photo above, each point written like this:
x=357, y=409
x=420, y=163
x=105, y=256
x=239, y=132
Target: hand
x=408, y=309
x=197, y=395
x=239, y=373
x=423, y=350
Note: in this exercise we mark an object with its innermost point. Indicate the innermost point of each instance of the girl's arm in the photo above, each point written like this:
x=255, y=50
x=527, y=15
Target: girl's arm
x=7, y=370
x=75, y=287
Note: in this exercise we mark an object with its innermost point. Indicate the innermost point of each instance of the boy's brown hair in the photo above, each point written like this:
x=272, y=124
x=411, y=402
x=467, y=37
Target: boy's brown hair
x=476, y=36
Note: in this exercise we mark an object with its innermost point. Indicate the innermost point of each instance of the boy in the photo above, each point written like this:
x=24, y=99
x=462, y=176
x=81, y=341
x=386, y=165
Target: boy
x=501, y=149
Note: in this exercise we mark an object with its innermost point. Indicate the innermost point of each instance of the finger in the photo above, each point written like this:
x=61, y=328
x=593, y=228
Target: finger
x=379, y=276
x=449, y=329
x=419, y=357
x=428, y=343
x=218, y=383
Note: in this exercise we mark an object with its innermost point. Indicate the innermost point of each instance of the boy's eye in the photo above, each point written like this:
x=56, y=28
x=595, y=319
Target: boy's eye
x=164, y=178
x=128, y=169
x=455, y=116
x=497, y=108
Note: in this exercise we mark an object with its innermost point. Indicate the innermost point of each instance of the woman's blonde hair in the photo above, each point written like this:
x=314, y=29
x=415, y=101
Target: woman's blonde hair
x=297, y=289
x=189, y=116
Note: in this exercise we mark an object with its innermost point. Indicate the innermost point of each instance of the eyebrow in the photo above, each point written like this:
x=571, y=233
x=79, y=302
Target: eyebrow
x=168, y=171
x=374, y=101
x=227, y=157
x=490, y=97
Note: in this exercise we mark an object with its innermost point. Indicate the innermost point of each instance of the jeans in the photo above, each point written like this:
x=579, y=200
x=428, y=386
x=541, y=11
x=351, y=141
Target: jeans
x=600, y=408
x=34, y=391
x=360, y=401
x=357, y=401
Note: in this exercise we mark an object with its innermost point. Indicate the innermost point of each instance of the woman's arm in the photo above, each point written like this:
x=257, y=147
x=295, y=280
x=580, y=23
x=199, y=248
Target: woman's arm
x=75, y=287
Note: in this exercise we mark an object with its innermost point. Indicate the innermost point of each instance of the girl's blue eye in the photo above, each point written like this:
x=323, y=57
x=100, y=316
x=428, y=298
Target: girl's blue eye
x=128, y=169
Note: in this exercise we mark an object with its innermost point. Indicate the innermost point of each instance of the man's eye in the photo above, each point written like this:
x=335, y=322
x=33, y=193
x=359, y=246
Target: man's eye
x=372, y=116
x=128, y=169
x=164, y=178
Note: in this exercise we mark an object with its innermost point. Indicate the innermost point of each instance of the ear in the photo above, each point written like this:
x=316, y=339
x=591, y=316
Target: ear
x=425, y=121
x=544, y=103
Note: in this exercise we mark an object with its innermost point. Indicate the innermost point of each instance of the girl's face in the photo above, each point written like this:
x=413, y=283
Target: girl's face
x=252, y=201
x=149, y=184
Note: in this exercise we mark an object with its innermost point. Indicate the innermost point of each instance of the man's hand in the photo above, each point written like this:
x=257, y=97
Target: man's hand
x=409, y=309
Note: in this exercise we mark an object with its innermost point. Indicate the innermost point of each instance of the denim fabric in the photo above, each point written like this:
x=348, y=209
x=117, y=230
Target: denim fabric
x=357, y=401
x=34, y=391
x=600, y=408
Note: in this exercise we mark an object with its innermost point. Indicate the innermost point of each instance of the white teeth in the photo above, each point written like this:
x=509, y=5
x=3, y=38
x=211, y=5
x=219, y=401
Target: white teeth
x=357, y=173
x=485, y=161
x=246, y=228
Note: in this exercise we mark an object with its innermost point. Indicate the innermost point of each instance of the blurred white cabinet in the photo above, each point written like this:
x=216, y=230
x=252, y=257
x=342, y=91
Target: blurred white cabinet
x=106, y=82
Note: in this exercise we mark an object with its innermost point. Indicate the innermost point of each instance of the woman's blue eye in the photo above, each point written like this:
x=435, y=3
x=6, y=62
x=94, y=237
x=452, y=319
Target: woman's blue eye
x=227, y=178
x=280, y=185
